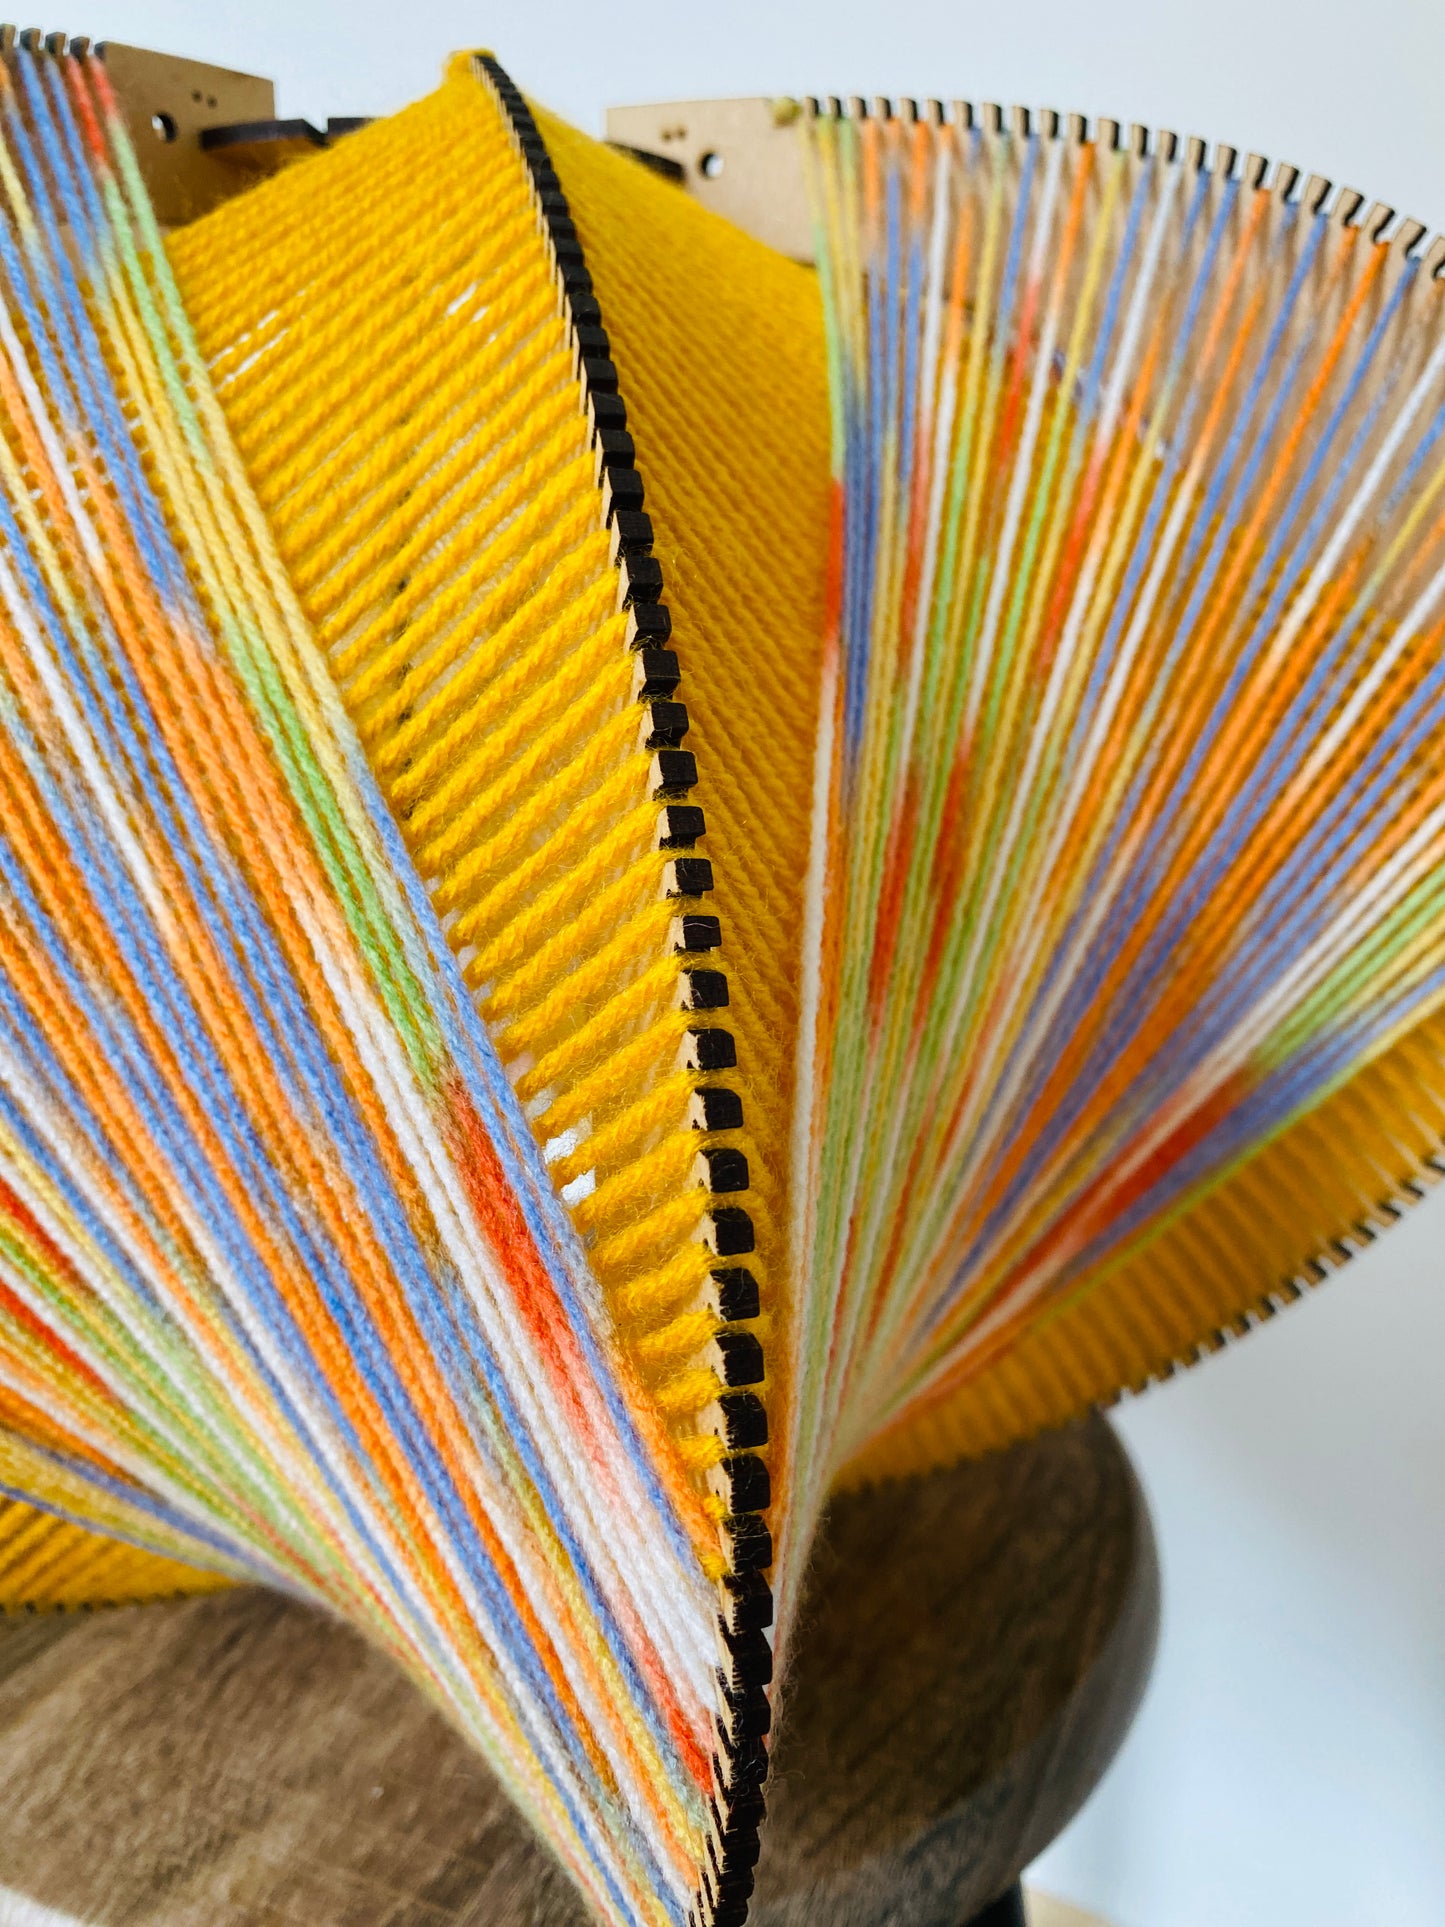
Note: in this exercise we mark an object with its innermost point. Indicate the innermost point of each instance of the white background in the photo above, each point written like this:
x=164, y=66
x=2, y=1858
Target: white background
x=1288, y=1769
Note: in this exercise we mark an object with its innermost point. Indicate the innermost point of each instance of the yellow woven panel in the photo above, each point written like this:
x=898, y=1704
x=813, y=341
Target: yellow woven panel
x=719, y=346
x=386, y=341
x=47, y=1561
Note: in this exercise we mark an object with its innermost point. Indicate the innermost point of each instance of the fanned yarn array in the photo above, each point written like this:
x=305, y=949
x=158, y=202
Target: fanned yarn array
x=569, y=977
x=1132, y=727
x=287, y=1288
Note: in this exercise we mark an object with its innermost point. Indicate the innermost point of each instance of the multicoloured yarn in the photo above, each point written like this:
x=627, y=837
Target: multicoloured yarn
x=286, y=1288
x=1132, y=721
x=433, y=491
x=1075, y=823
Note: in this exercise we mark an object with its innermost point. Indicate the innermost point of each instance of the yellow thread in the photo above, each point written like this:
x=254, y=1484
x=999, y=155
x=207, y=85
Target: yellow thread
x=628, y=839
x=652, y=1052
x=663, y=1108
x=562, y=919
x=633, y=1192
x=531, y=974
x=524, y=655
x=586, y=1047
x=657, y=1295
x=644, y=1244
x=592, y=985
x=539, y=790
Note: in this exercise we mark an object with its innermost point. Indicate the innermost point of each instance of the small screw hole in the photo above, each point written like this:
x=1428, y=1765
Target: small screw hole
x=163, y=126
x=710, y=166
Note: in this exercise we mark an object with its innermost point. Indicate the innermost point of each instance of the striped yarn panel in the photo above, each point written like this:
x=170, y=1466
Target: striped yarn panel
x=285, y=1282
x=413, y=1109
x=1131, y=893
x=384, y=332
x=519, y=697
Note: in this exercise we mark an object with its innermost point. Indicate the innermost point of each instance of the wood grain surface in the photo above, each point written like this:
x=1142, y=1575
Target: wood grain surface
x=971, y=1654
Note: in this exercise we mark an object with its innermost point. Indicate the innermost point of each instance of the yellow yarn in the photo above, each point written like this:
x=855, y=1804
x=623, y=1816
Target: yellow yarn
x=46, y=1561
x=467, y=611
x=387, y=348
x=720, y=351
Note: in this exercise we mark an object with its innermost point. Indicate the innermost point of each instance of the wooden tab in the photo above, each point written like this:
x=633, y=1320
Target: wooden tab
x=168, y=103
x=741, y=158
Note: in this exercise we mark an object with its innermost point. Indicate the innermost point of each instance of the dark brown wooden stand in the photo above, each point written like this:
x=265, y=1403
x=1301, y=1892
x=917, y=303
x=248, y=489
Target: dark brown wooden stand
x=973, y=1649
x=1007, y=1912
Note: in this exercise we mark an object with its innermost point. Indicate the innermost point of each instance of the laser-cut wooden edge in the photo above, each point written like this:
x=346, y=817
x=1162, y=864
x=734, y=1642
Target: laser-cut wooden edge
x=742, y=158
x=740, y=1481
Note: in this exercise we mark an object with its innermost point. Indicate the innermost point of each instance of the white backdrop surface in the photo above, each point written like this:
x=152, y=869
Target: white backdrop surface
x=1288, y=1769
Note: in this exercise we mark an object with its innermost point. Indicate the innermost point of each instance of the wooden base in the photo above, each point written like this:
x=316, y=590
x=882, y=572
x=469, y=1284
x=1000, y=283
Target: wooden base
x=972, y=1653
